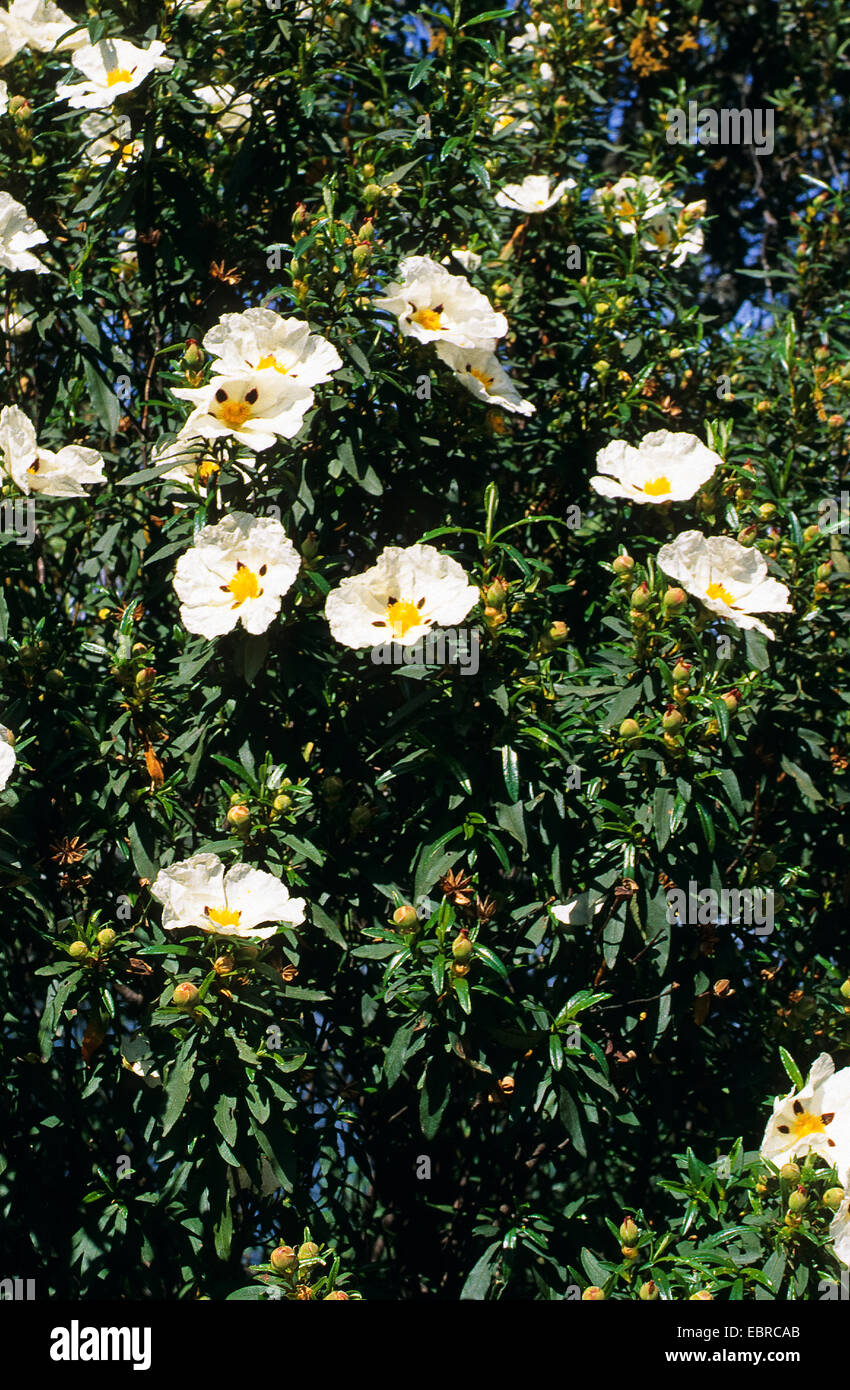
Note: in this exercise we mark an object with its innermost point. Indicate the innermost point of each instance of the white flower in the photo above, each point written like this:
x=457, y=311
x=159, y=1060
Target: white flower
x=579, y=911
x=467, y=260
x=533, y=194
x=111, y=68
x=433, y=305
x=674, y=232
x=633, y=199
x=128, y=255
x=410, y=589
x=547, y=72
x=41, y=25
x=813, y=1120
x=503, y=114
x=136, y=1057
x=17, y=233
x=481, y=372
x=727, y=577
x=237, y=571
x=530, y=36
x=197, y=892
x=839, y=1232
x=107, y=133
x=8, y=756
x=11, y=39
x=4, y=98
x=63, y=474
x=666, y=467
x=259, y=340
x=191, y=457
x=256, y=408
x=232, y=109
x=17, y=325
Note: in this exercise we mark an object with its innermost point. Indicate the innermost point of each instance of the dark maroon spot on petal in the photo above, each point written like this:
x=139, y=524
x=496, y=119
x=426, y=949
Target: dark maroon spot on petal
x=251, y=396
x=798, y=1109
x=421, y=603
x=438, y=309
x=831, y=1143
x=221, y=395
x=379, y=623
x=392, y=600
x=828, y=1119
x=783, y=1129
x=263, y=569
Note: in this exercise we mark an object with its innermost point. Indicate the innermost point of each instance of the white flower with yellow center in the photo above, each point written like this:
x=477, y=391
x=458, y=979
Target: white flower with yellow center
x=108, y=134
x=434, y=306
x=481, y=372
x=197, y=892
x=675, y=232
x=17, y=233
x=631, y=199
x=665, y=467
x=111, y=68
x=530, y=36
x=237, y=571
x=729, y=579
x=191, y=459
x=8, y=756
x=260, y=340
x=814, y=1120
x=534, y=194
x=64, y=474
x=504, y=114
x=231, y=109
x=401, y=599
x=44, y=27
x=257, y=408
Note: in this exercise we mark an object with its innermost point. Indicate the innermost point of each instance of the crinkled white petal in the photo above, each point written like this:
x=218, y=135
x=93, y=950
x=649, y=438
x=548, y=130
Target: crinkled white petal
x=257, y=545
x=449, y=309
x=17, y=233
x=483, y=375
x=419, y=575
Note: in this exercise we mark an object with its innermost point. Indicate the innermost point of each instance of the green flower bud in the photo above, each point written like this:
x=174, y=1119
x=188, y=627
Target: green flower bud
x=282, y=802
x=222, y=965
x=405, y=917
x=641, y=596
x=674, y=600
x=462, y=948
x=681, y=671
x=284, y=1259
x=592, y=1294
x=673, y=720
x=844, y=991
x=833, y=1197
x=308, y=1251
x=629, y=730
x=789, y=1172
x=185, y=995
x=78, y=950
x=239, y=815
x=106, y=936
x=798, y=1201
x=628, y=1232
x=648, y=1292
x=623, y=565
